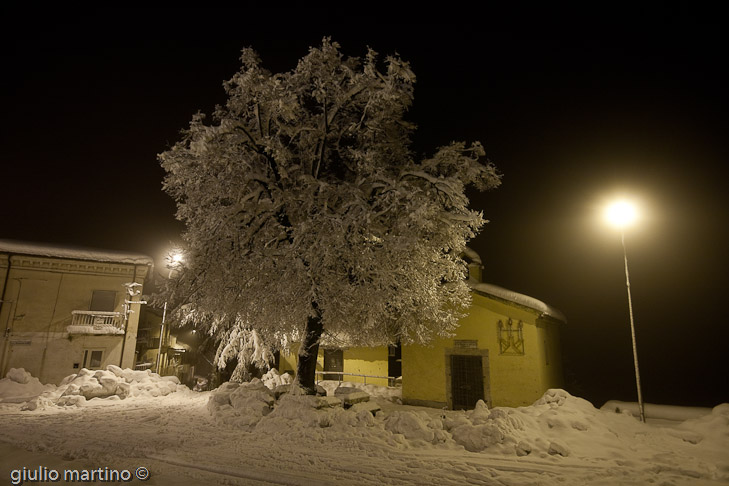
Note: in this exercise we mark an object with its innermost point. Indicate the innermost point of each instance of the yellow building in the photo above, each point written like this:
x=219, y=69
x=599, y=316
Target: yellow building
x=63, y=309
x=506, y=351
x=354, y=364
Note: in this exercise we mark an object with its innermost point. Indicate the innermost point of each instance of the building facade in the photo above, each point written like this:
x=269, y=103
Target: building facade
x=175, y=356
x=63, y=308
x=505, y=351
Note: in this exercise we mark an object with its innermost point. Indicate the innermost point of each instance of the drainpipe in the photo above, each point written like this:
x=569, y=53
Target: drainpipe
x=50, y=326
x=6, y=332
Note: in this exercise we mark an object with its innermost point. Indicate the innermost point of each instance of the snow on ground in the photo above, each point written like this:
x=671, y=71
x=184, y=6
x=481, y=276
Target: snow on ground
x=655, y=412
x=252, y=434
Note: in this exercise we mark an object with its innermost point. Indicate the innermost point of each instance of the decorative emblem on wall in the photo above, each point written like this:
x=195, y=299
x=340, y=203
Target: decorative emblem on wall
x=511, y=338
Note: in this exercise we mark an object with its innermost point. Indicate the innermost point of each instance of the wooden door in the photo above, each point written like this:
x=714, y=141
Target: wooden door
x=333, y=361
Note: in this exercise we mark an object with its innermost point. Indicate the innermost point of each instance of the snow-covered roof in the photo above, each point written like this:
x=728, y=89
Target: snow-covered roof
x=517, y=298
x=76, y=253
x=471, y=256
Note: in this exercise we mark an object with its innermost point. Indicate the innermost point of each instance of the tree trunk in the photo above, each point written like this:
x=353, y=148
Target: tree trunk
x=308, y=351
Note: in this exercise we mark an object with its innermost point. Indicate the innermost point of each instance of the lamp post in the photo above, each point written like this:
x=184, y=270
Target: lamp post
x=174, y=258
x=622, y=214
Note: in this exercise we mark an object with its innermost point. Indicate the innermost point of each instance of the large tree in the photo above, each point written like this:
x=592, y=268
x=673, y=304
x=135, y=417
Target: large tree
x=308, y=213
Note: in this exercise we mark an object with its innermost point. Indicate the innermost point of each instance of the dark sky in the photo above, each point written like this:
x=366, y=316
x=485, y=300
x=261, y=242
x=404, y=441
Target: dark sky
x=571, y=108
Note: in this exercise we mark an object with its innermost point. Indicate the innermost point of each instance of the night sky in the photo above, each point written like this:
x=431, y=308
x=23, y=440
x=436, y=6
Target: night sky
x=572, y=109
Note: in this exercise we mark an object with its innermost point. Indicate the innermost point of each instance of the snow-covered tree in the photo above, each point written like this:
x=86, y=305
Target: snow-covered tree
x=237, y=341
x=308, y=213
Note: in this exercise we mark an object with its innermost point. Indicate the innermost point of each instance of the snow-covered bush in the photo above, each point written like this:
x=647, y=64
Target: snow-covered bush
x=237, y=341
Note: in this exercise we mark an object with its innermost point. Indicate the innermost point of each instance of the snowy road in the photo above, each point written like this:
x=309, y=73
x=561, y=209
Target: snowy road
x=178, y=441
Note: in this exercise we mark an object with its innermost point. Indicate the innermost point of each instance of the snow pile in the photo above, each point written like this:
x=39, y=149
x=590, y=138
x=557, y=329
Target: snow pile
x=307, y=413
x=20, y=386
x=389, y=393
x=245, y=405
x=476, y=430
x=714, y=426
x=555, y=427
x=551, y=426
x=303, y=410
x=240, y=404
x=272, y=379
x=113, y=383
x=557, y=424
x=417, y=426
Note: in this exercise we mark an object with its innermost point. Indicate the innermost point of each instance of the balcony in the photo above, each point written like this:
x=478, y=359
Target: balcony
x=96, y=322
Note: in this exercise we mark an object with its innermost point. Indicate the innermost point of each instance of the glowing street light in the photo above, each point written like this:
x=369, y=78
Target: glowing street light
x=622, y=214
x=174, y=258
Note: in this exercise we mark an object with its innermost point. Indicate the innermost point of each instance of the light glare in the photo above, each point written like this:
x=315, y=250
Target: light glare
x=174, y=258
x=621, y=214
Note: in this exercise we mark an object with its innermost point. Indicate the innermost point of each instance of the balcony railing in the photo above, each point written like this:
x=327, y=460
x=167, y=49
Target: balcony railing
x=96, y=322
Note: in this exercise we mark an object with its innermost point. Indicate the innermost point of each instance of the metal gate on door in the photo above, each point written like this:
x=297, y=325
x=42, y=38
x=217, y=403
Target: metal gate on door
x=466, y=381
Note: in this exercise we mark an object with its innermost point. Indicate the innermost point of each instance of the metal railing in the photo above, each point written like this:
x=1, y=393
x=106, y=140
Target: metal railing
x=98, y=320
x=390, y=379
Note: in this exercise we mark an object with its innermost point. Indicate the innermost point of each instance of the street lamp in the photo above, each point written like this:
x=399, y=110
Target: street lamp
x=173, y=259
x=622, y=214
